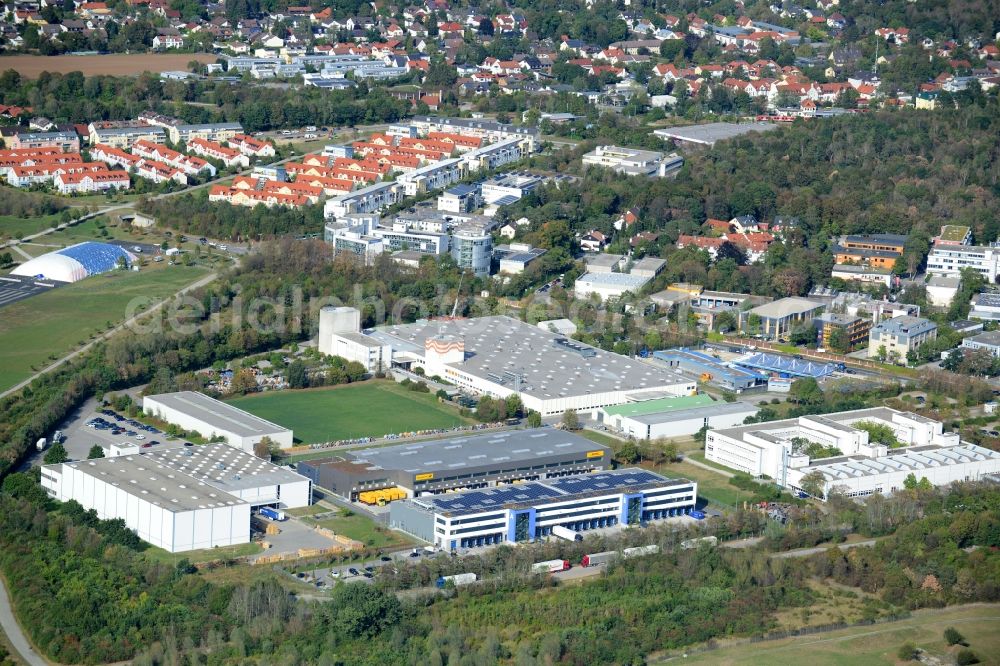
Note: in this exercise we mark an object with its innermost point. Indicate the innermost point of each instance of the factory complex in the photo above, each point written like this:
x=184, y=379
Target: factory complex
x=500, y=356
x=180, y=498
x=473, y=461
x=213, y=418
x=845, y=457
x=528, y=511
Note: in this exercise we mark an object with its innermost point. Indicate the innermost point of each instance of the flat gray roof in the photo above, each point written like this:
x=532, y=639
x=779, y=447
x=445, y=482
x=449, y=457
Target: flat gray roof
x=615, y=279
x=224, y=467
x=709, y=133
x=786, y=306
x=156, y=483
x=361, y=338
x=508, y=447
x=548, y=368
x=216, y=413
x=602, y=259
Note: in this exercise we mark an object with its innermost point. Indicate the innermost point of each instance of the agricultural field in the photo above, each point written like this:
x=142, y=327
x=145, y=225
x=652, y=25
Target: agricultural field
x=44, y=327
x=114, y=64
x=369, y=409
x=873, y=645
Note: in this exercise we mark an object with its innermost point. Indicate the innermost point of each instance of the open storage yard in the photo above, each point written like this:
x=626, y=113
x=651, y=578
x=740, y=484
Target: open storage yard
x=370, y=409
x=112, y=64
x=43, y=327
x=874, y=644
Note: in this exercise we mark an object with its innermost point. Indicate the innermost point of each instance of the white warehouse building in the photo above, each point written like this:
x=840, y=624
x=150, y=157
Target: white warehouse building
x=500, y=356
x=212, y=418
x=524, y=512
x=859, y=467
x=180, y=498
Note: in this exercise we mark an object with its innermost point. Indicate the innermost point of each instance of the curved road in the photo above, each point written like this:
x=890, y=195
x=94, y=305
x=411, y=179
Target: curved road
x=22, y=647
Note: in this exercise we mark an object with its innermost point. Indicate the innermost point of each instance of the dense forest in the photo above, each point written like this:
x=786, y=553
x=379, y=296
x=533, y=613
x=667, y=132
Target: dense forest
x=906, y=172
x=76, y=98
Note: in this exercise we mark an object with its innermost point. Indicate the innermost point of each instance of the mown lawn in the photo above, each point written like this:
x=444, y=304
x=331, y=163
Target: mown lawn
x=367, y=409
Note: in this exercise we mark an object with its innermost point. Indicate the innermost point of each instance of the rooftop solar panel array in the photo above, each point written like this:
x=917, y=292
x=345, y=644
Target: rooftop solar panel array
x=502, y=497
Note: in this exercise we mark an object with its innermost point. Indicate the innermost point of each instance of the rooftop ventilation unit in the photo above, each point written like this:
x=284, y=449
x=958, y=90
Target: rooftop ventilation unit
x=569, y=345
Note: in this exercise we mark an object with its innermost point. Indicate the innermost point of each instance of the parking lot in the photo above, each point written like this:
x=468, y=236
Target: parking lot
x=14, y=288
x=79, y=437
x=364, y=572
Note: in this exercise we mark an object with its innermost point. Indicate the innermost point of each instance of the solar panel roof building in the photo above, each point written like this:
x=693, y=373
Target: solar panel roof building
x=500, y=356
x=459, y=462
x=525, y=512
x=210, y=418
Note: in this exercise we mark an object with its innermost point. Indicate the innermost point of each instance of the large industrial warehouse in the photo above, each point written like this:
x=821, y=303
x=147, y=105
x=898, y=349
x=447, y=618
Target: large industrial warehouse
x=475, y=461
x=211, y=418
x=673, y=417
x=501, y=356
x=180, y=498
x=520, y=513
x=855, y=465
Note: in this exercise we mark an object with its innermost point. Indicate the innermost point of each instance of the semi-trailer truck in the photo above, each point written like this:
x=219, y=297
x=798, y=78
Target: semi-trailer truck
x=457, y=580
x=638, y=551
x=549, y=566
x=566, y=533
x=594, y=559
x=272, y=514
x=694, y=543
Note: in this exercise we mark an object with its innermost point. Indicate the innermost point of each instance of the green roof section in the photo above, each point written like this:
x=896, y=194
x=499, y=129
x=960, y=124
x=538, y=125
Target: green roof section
x=954, y=233
x=660, y=405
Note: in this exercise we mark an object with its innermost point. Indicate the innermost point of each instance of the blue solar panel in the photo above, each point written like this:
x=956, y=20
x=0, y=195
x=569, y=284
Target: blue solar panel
x=474, y=501
x=96, y=257
x=604, y=481
x=492, y=498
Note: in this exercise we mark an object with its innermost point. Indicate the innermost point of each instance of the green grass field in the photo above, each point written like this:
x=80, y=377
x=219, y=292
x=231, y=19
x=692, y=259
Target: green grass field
x=370, y=409
x=711, y=486
x=39, y=328
x=363, y=529
x=161, y=556
x=19, y=227
x=873, y=645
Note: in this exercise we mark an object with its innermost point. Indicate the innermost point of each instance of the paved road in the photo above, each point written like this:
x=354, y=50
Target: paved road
x=128, y=322
x=697, y=463
x=12, y=629
x=806, y=552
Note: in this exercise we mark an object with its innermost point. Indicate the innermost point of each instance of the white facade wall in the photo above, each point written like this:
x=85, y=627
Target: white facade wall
x=949, y=260
x=173, y=531
x=746, y=456
x=566, y=512
x=373, y=358
x=891, y=481
x=548, y=406
x=282, y=437
x=679, y=428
